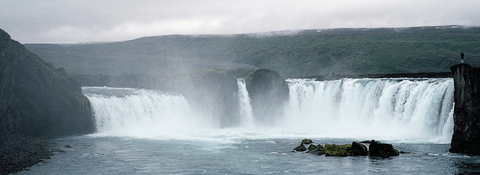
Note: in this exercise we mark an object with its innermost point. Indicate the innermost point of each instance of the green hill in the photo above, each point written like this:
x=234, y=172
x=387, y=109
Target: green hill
x=300, y=53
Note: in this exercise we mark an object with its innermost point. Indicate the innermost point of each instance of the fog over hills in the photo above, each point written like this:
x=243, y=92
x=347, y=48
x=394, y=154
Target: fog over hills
x=291, y=53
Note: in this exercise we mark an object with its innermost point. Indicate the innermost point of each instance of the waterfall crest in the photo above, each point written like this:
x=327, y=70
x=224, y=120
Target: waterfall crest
x=403, y=108
x=139, y=112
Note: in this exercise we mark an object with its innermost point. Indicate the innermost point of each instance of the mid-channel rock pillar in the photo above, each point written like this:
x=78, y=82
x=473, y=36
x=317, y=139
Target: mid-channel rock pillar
x=268, y=92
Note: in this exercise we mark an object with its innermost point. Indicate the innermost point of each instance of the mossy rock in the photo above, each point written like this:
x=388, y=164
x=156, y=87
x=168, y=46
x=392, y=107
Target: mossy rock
x=312, y=146
x=338, y=150
x=307, y=141
x=301, y=147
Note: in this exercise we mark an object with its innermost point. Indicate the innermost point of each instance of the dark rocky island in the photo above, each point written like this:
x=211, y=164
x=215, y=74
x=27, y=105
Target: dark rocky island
x=375, y=149
x=466, y=117
x=37, y=100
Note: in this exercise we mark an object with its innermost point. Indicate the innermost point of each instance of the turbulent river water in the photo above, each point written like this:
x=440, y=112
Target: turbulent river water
x=143, y=131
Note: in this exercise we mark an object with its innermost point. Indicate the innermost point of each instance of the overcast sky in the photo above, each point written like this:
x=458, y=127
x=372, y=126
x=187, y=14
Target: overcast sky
x=79, y=21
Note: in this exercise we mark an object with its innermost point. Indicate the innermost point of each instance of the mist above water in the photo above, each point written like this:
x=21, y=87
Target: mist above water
x=405, y=110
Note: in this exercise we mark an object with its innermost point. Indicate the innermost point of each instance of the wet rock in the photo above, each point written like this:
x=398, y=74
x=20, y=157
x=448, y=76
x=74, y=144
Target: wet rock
x=312, y=146
x=307, y=141
x=359, y=149
x=382, y=149
x=316, y=150
x=338, y=150
x=301, y=147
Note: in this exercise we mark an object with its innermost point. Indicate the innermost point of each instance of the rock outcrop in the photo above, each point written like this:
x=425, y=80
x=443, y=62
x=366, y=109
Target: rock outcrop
x=377, y=149
x=466, y=117
x=268, y=93
x=338, y=150
x=359, y=149
x=37, y=99
x=382, y=149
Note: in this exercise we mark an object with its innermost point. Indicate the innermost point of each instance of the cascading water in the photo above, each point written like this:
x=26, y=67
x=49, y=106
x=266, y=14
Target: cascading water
x=389, y=109
x=377, y=108
x=245, y=109
x=139, y=112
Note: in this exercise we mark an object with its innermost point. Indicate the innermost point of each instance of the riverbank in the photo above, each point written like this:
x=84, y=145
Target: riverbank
x=19, y=152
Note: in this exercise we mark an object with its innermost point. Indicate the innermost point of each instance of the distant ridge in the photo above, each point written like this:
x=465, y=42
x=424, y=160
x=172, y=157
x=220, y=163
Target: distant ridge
x=291, y=53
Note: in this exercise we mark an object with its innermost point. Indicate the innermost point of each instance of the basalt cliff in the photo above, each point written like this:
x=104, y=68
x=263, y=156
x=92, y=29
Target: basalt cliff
x=37, y=99
x=466, y=117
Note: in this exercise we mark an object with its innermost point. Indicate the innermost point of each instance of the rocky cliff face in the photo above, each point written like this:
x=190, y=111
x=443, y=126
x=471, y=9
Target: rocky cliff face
x=268, y=94
x=466, y=117
x=37, y=99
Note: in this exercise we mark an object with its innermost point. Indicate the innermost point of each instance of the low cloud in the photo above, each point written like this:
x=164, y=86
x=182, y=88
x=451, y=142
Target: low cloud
x=59, y=21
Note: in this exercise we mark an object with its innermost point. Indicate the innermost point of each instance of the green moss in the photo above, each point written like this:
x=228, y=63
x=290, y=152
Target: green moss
x=312, y=147
x=338, y=150
x=307, y=141
x=301, y=147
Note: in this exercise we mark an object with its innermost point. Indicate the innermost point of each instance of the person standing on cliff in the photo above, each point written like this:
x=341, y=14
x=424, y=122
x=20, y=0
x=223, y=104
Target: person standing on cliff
x=462, y=56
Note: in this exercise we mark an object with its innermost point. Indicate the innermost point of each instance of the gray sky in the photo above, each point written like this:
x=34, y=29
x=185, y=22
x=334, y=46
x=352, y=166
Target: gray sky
x=78, y=21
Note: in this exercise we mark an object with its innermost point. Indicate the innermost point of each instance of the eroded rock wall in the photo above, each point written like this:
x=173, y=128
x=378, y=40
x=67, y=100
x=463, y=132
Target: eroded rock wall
x=37, y=99
x=466, y=117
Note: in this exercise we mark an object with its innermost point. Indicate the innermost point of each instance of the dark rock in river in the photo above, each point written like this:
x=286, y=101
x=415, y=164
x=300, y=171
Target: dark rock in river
x=268, y=93
x=338, y=150
x=359, y=149
x=301, y=147
x=466, y=117
x=36, y=99
x=312, y=146
x=382, y=149
x=354, y=149
x=307, y=141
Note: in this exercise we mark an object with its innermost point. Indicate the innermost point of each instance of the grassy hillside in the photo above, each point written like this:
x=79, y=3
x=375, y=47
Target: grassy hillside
x=301, y=53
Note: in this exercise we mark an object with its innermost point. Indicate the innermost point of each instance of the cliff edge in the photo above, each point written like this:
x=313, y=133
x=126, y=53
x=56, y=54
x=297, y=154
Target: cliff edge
x=466, y=117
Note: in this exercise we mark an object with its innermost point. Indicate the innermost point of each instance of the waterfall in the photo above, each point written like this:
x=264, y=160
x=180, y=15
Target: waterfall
x=403, y=108
x=139, y=112
x=245, y=108
x=415, y=109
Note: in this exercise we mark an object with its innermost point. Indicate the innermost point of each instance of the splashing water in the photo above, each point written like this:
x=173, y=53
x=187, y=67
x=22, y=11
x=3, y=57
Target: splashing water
x=372, y=108
x=411, y=110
